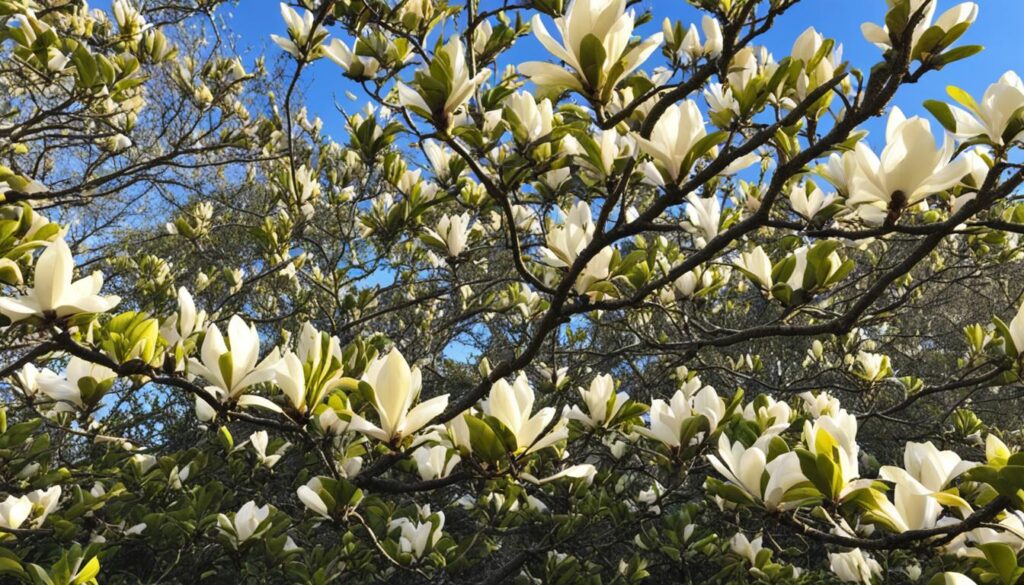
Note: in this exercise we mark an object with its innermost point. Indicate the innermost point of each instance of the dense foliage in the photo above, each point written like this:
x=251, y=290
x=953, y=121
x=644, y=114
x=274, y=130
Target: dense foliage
x=655, y=308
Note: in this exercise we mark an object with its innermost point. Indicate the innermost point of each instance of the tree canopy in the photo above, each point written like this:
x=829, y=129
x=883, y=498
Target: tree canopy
x=651, y=308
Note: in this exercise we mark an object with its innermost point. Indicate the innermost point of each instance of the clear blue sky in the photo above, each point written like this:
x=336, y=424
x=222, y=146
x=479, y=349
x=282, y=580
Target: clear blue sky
x=1000, y=28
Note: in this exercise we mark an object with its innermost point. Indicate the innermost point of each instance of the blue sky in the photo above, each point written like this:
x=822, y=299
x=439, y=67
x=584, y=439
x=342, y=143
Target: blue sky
x=999, y=28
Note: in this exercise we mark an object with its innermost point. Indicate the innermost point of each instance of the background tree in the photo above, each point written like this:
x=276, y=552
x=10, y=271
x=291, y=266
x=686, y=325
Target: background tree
x=656, y=308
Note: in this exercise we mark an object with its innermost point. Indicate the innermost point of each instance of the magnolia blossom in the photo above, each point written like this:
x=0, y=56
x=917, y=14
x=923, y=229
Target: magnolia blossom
x=44, y=502
x=965, y=12
x=512, y=404
x=529, y=119
x=680, y=127
x=395, y=388
x=567, y=240
x=690, y=47
x=806, y=48
x=356, y=66
x=604, y=20
x=773, y=415
x=918, y=497
x=703, y=216
x=434, y=462
x=246, y=523
x=584, y=471
x=309, y=495
x=14, y=511
x=991, y=116
x=300, y=28
x=259, y=442
x=808, y=200
x=1016, y=329
x=872, y=367
x=1009, y=531
x=932, y=468
x=185, y=322
x=910, y=169
x=601, y=400
x=79, y=375
x=953, y=578
x=667, y=418
x=452, y=231
x=415, y=537
x=231, y=365
x=854, y=566
x=691, y=282
x=54, y=293
x=830, y=265
x=835, y=435
x=459, y=84
x=748, y=549
x=744, y=467
x=757, y=265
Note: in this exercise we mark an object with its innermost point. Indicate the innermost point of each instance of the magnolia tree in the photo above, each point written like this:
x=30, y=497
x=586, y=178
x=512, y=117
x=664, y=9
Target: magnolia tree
x=654, y=307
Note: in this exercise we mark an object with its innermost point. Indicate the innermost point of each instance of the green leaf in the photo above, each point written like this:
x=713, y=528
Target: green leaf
x=592, y=58
x=1003, y=560
x=942, y=113
x=958, y=54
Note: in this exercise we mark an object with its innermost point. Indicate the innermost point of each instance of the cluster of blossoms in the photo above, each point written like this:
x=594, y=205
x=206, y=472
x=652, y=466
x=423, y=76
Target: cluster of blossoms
x=621, y=222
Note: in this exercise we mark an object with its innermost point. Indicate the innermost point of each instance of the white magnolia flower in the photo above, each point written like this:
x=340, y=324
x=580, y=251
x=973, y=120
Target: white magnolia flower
x=601, y=400
x=259, y=442
x=310, y=497
x=453, y=231
x=356, y=66
x=232, y=364
x=530, y=120
x=772, y=416
x=835, y=435
x=415, y=537
x=79, y=375
x=690, y=47
x=246, y=523
x=757, y=265
x=704, y=217
x=460, y=85
x=965, y=12
x=820, y=404
x=910, y=169
x=604, y=20
x=952, y=578
x=667, y=418
x=565, y=241
x=14, y=511
x=300, y=28
x=854, y=566
x=395, y=388
x=54, y=293
x=512, y=404
x=673, y=137
x=932, y=468
x=44, y=502
x=808, y=200
x=695, y=280
x=1016, y=328
x=872, y=367
x=745, y=467
x=185, y=322
x=584, y=471
x=748, y=549
x=992, y=115
x=129, y=20
x=434, y=462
